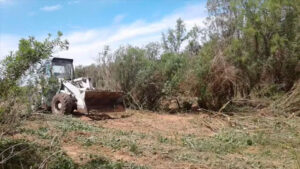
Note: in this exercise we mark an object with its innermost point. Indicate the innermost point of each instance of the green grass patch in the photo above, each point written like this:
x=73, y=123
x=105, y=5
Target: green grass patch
x=68, y=124
x=225, y=142
x=122, y=139
x=163, y=139
x=41, y=132
x=133, y=147
x=88, y=141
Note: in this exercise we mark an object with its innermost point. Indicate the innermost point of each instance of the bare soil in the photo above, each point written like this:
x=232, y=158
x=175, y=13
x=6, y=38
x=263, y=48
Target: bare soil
x=158, y=140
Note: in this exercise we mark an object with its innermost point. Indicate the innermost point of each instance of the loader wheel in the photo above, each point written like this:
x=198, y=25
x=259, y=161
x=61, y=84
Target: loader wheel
x=62, y=104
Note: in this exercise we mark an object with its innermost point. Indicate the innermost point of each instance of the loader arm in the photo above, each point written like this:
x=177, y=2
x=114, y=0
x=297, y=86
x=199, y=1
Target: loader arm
x=88, y=99
x=79, y=95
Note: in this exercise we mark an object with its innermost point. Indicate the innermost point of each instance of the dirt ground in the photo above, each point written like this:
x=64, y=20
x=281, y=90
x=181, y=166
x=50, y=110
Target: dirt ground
x=158, y=140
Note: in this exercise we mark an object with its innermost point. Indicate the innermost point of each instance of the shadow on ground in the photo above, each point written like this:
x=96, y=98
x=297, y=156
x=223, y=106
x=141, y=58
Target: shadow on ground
x=100, y=115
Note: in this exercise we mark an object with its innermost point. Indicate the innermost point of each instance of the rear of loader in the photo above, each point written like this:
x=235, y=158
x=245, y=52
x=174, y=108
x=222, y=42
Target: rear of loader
x=78, y=94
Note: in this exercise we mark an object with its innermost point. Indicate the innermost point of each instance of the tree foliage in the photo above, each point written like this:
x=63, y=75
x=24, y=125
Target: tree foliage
x=30, y=52
x=261, y=36
x=247, y=46
x=173, y=40
x=16, y=101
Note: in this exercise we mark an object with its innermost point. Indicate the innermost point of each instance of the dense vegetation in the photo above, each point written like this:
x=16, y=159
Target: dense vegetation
x=15, y=99
x=250, y=49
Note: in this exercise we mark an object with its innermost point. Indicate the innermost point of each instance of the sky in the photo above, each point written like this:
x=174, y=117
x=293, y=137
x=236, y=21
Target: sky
x=89, y=25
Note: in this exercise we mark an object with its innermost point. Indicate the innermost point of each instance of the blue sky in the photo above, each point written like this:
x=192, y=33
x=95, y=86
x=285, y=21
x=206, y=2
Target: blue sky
x=90, y=24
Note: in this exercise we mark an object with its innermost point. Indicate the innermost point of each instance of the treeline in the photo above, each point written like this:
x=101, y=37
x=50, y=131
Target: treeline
x=250, y=48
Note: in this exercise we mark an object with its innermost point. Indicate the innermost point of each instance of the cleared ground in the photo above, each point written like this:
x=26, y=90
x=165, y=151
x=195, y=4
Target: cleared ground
x=140, y=139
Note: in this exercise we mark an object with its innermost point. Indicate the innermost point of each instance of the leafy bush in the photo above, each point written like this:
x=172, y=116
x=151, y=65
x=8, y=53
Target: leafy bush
x=246, y=46
x=21, y=154
x=16, y=100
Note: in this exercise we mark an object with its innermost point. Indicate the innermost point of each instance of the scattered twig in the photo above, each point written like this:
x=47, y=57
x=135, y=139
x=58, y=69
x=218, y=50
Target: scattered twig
x=224, y=106
x=52, y=141
x=135, y=102
x=207, y=111
x=11, y=147
x=46, y=159
x=12, y=153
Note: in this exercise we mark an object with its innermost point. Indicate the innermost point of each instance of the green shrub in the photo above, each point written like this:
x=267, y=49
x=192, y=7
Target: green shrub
x=21, y=154
x=173, y=68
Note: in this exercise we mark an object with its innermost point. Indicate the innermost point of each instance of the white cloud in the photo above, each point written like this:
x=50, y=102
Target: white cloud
x=51, y=8
x=117, y=19
x=8, y=43
x=85, y=45
x=6, y=2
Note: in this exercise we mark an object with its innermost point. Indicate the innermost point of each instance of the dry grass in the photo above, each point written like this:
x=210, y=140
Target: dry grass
x=139, y=139
x=290, y=103
x=225, y=81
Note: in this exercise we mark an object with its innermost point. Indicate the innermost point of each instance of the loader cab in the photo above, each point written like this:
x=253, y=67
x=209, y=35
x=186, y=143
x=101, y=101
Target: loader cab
x=62, y=68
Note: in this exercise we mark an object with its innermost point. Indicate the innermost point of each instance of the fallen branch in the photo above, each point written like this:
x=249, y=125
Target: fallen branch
x=46, y=159
x=12, y=153
x=224, y=106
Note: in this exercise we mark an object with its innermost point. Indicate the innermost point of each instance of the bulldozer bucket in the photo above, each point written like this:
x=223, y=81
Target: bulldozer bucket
x=104, y=101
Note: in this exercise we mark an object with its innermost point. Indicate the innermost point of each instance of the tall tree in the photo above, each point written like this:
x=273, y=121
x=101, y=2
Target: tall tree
x=260, y=36
x=174, y=38
x=193, y=46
